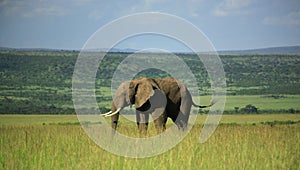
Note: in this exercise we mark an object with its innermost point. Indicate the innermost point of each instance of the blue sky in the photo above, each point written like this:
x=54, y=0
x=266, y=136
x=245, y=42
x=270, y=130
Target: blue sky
x=229, y=24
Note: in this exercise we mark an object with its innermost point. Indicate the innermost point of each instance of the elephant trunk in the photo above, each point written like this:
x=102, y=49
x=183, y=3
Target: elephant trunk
x=113, y=111
x=114, y=116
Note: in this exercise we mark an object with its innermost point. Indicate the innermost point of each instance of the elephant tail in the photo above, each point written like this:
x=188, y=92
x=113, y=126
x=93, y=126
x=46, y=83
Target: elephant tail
x=212, y=103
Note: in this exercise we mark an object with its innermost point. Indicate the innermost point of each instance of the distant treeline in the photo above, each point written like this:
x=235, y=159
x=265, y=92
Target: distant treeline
x=40, y=82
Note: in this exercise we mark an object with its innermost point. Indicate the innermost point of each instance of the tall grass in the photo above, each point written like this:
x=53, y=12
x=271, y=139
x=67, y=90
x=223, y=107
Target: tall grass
x=241, y=146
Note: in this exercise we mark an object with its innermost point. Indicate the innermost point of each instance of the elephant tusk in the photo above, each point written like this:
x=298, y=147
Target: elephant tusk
x=105, y=114
x=113, y=113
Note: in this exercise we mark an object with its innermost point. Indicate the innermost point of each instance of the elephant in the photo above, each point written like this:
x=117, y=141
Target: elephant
x=162, y=98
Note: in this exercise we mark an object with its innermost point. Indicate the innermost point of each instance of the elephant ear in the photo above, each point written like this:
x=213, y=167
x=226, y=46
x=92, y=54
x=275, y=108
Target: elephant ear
x=132, y=91
x=144, y=91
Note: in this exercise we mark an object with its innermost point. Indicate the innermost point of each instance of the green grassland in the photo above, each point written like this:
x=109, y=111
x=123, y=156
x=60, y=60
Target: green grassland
x=35, y=83
x=265, y=104
x=239, y=142
x=40, y=82
x=241, y=119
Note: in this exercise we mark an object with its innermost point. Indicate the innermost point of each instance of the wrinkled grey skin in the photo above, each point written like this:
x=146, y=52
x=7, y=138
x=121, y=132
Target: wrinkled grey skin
x=162, y=98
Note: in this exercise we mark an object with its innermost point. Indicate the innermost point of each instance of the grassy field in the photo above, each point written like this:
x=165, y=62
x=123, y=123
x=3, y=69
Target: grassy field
x=240, y=142
x=269, y=103
x=41, y=82
x=263, y=102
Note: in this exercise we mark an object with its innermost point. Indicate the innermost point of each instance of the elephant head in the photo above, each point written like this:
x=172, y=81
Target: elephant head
x=137, y=92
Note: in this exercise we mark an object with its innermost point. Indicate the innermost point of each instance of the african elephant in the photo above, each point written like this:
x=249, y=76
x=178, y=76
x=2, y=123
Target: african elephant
x=162, y=98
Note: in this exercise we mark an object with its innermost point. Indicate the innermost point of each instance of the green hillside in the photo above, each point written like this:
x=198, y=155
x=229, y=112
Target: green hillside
x=41, y=81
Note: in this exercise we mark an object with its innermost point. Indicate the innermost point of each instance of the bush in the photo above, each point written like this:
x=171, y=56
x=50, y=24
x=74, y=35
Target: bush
x=249, y=109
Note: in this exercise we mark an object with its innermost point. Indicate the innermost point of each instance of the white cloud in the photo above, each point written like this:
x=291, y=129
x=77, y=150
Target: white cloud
x=293, y=18
x=176, y=7
x=95, y=15
x=52, y=10
x=10, y=7
x=233, y=7
x=81, y=2
x=4, y=2
x=31, y=8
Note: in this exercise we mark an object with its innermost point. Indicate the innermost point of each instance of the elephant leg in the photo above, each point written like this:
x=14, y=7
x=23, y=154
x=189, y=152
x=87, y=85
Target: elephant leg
x=183, y=115
x=159, y=118
x=142, y=120
x=181, y=121
x=158, y=110
x=114, y=121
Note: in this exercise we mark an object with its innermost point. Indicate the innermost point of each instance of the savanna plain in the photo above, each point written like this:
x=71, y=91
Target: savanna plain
x=59, y=142
x=39, y=128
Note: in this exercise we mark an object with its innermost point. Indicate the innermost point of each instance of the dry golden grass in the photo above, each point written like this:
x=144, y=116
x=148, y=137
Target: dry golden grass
x=232, y=146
